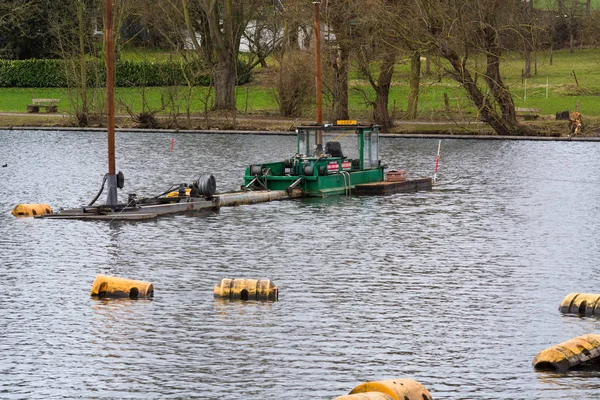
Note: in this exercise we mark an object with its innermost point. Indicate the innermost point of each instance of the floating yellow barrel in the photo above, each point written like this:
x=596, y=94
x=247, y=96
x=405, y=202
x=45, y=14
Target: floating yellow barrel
x=365, y=396
x=569, y=354
x=395, y=389
x=581, y=303
x=30, y=210
x=247, y=289
x=111, y=286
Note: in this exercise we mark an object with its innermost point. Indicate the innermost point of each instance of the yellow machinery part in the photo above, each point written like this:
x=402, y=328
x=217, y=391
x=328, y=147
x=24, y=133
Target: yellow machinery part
x=247, y=289
x=176, y=193
x=397, y=389
x=569, y=354
x=581, y=303
x=365, y=396
x=30, y=210
x=114, y=287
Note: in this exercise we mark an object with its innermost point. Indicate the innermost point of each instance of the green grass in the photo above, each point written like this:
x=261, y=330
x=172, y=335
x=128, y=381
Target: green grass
x=552, y=89
x=552, y=5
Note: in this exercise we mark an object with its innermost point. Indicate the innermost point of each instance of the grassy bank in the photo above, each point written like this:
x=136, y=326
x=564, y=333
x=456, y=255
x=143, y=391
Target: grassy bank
x=571, y=79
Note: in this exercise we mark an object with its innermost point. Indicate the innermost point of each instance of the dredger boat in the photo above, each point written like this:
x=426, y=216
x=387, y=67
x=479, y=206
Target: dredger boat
x=349, y=158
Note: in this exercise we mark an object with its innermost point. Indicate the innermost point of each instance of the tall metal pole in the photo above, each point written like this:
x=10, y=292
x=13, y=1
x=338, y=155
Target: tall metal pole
x=109, y=48
x=319, y=90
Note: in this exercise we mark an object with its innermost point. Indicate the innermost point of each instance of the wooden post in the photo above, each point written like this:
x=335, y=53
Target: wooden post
x=446, y=102
x=575, y=76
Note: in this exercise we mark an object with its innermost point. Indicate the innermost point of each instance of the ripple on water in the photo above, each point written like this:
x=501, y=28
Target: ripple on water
x=457, y=288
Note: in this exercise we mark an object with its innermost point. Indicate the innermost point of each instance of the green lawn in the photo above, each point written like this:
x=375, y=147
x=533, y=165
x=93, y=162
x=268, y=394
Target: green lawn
x=553, y=89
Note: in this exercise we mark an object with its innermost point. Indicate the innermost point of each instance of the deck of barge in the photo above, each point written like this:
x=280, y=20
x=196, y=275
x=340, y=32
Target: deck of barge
x=387, y=187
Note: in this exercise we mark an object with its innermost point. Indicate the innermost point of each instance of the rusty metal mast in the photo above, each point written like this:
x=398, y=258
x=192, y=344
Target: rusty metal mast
x=109, y=48
x=318, y=80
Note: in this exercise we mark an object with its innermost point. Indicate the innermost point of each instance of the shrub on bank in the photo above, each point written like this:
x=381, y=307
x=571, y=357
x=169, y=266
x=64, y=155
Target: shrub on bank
x=58, y=73
x=32, y=73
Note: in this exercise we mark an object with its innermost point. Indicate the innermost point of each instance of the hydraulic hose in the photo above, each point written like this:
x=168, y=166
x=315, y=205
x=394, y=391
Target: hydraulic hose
x=100, y=192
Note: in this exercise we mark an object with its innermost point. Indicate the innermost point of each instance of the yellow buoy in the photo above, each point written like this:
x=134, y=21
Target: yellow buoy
x=365, y=396
x=569, y=354
x=247, y=289
x=112, y=286
x=580, y=303
x=30, y=210
x=396, y=389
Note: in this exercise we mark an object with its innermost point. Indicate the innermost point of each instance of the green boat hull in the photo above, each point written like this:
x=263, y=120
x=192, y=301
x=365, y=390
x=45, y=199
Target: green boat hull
x=332, y=184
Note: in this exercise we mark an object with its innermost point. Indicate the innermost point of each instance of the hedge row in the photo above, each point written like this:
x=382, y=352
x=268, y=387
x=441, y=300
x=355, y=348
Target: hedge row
x=62, y=73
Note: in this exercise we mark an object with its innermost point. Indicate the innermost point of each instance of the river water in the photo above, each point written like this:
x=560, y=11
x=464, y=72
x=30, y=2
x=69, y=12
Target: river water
x=457, y=288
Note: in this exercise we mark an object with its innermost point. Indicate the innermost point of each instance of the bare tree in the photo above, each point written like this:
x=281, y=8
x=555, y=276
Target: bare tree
x=76, y=47
x=265, y=36
x=14, y=12
x=459, y=28
x=221, y=25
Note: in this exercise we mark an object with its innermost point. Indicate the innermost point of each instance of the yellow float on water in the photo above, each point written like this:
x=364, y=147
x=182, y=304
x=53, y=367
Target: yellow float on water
x=114, y=287
x=569, y=354
x=247, y=289
x=581, y=303
x=365, y=396
x=30, y=210
x=395, y=389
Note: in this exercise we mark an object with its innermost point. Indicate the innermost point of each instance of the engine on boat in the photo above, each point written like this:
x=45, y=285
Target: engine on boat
x=206, y=185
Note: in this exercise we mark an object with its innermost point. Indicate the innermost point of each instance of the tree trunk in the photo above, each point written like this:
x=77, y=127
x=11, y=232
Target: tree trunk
x=527, y=70
x=291, y=35
x=571, y=42
x=225, y=79
x=497, y=87
x=494, y=81
x=414, y=82
x=82, y=114
x=339, y=62
x=381, y=116
x=225, y=23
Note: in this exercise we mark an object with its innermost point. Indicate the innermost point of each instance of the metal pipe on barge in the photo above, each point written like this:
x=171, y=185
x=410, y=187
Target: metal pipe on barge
x=179, y=205
x=257, y=196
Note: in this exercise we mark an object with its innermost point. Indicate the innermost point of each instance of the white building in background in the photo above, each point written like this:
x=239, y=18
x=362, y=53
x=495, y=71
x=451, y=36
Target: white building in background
x=268, y=37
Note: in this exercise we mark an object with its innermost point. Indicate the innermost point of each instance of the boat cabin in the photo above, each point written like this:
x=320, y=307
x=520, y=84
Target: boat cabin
x=330, y=159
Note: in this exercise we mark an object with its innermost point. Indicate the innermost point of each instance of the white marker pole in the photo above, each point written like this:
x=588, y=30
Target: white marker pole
x=437, y=162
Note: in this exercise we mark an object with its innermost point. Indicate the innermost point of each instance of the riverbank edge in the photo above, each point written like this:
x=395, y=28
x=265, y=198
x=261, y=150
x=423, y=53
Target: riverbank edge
x=291, y=133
